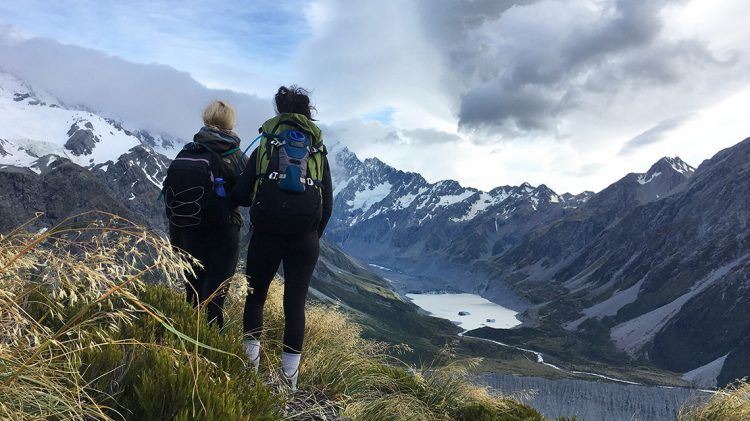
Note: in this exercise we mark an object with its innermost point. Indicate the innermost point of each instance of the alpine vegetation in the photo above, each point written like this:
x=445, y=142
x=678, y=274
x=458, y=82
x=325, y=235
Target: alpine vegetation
x=95, y=326
x=729, y=404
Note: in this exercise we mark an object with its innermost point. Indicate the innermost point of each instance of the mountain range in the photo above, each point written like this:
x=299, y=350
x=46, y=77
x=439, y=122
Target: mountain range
x=654, y=267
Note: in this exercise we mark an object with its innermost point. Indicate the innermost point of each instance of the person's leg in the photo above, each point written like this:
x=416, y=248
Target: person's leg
x=220, y=266
x=189, y=241
x=300, y=257
x=263, y=259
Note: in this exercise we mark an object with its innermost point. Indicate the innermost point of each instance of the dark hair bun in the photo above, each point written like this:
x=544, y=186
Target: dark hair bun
x=294, y=99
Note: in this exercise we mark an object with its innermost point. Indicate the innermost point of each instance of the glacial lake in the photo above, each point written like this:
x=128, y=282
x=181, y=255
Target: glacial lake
x=448, y=306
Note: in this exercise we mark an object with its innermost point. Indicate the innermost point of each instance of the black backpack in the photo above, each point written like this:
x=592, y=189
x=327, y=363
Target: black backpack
x=194, y=190
x=288, y=194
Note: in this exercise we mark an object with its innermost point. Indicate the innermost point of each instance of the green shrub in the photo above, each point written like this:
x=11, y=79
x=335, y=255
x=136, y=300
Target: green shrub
x=156, y=375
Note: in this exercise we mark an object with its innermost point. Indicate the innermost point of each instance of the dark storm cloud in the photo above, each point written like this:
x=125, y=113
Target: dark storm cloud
x=448, y=19
x=521, y=66
x=654, y=134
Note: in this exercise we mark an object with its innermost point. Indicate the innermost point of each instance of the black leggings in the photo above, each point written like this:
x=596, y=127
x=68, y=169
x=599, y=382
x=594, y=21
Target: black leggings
x=217, y=248
x=299, y=256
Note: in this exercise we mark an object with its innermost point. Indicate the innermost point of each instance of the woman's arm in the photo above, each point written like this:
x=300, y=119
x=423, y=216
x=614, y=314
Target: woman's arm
x=327, y=198
x=242, y=193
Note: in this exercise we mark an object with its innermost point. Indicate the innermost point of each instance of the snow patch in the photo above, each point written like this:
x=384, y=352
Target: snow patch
x=406, y=200
x=608, y=307
x=630, y=336
x=365, y=199
x=338, y=187
x=680, y=166
x=481, y=204
x=705, y=375
x=643, y=180
x=455, y=198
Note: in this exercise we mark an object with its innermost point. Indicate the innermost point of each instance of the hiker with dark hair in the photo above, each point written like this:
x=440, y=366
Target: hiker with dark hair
x=287, y=185
x=201, y=220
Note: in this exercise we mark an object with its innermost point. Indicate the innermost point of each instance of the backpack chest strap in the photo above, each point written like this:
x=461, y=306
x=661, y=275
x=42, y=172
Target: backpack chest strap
x=280, y=176
x=278, y=143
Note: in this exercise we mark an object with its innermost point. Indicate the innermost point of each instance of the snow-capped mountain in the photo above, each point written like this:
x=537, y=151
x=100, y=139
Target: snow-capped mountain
x=39, y=134
x=35, y=124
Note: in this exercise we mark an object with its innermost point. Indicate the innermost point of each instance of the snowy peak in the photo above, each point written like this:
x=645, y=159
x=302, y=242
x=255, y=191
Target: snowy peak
x=370, y=190
x=661, y=179
x=34, y=125
x=667, y=165
x=679, y=165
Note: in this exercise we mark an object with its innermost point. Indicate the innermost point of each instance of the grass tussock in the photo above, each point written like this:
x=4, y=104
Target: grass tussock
x=729, y=404
x=95, y=326
x=367, y=382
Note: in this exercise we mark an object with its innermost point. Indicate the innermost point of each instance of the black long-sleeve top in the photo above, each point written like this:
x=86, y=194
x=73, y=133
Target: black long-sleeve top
x=242, y=193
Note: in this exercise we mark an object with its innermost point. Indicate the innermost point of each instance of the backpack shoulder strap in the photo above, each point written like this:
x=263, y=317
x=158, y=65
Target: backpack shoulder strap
x=262, y=161
x=230, y=152
x=216, y=161
x=263, y=157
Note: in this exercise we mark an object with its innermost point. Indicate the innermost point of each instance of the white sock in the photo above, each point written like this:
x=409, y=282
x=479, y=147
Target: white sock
x=252, y=349
x=290, y=363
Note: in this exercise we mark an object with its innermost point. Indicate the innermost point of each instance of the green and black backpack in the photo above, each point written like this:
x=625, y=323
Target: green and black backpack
x=287, y=196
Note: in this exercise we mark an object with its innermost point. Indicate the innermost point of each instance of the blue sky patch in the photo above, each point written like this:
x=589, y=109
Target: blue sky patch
x=383, y=115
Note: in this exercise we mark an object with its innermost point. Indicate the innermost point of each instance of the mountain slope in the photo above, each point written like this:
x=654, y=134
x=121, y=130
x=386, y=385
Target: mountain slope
x=545, y=250
x=666, y=279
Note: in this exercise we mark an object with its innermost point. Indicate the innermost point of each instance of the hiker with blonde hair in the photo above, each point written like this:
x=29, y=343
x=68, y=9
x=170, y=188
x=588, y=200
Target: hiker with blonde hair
x=201, y=220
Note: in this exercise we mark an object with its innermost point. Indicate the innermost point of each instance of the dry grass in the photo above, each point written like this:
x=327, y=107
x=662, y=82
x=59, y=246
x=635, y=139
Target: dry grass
x=93, y=271
x=95, y=266
x=362, y=378
x=729, y=404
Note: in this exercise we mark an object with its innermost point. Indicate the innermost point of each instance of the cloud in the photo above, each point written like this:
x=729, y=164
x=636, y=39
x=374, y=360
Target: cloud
x=654, y=134
x=511, y=70
x=546, y=91
x=372, y=55
x=369, y=136
x=232, y=44
x=431, y=136
x=529, y=75
x=145, y=96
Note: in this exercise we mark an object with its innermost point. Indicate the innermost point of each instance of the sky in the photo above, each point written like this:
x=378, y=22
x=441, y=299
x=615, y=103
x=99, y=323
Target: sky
x=573, y=94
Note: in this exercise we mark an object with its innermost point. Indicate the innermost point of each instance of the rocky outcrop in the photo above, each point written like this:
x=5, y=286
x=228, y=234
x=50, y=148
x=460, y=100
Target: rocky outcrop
x=61, y=190
x=82, y=140
x=135, y=180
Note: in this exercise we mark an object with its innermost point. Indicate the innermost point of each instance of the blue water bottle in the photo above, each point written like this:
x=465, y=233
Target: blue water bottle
x=220, y=187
